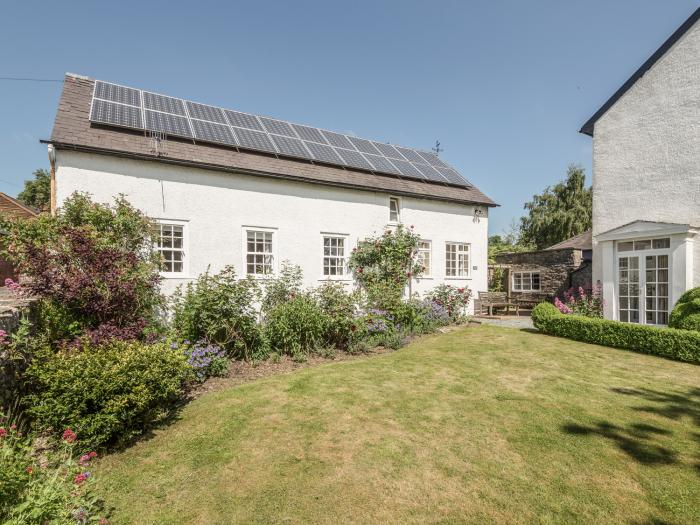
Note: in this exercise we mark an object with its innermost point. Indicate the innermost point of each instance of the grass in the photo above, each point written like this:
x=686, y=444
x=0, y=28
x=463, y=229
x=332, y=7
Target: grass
x=479, y=425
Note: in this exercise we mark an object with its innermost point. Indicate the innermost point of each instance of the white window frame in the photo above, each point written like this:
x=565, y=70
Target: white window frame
x=275, y=258
x=529, y=275
x=429, y=252
x=398, y=210
x=346, y=276
x=185, y=248
x=457, y=253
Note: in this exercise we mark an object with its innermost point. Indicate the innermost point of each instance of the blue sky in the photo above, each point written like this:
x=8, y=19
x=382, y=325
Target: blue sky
x=503, y=84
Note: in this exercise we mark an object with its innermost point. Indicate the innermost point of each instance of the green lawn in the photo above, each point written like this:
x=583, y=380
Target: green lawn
x=479, y=425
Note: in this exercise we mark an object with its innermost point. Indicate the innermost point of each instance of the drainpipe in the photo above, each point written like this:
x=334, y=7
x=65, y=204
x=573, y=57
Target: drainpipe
x=52, y=161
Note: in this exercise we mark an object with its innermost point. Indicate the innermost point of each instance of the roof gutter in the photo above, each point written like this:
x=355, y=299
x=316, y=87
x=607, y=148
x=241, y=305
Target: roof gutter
x=247, y=171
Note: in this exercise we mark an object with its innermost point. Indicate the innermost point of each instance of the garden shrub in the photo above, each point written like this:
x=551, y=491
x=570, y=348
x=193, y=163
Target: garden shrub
x=52, y=486
x=281, y=288
x=686, y=312
x=92, y=265
x=384, y=265
x=580, y=302
x=452, y=299
x=683, y=345
x=108, y=393
x=296, y=327
x=339, y=308
x=219, y=309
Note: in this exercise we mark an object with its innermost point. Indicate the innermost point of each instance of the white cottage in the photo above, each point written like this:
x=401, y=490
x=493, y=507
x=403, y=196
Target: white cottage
x=228, y=187
x=646, y=183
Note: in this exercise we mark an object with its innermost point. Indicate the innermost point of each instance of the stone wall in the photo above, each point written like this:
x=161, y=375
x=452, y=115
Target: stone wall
x=556, y=269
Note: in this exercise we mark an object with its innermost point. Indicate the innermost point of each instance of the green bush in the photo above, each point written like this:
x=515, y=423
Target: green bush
x=452, y=298
x=108, y=393
x=54, y=486
x=219, y=309
x=282, y=288
x=296, y=327
x=686, y=314
x=683, y=345
x=339, y=308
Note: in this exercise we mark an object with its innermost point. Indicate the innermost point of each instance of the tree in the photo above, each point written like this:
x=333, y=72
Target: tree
x=560, y=212
x=37, y=192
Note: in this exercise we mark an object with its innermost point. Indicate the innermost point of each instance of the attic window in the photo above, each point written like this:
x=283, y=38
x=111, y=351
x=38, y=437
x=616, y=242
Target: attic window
x=394, y=210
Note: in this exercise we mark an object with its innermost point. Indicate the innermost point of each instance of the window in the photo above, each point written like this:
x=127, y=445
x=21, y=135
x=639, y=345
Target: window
x=170, y=240
x=526, y=281
x=394, y=210
x=644, y=244
x=423, y=257
x=334, y=255
x=457, y=259
x=259, y=253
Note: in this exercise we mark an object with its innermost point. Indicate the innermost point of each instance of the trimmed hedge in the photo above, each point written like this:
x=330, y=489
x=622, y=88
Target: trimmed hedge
x=682, y=345
x=686, y=313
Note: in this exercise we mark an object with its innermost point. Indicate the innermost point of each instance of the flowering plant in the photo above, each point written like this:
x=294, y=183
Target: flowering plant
x=451, y=298
x=47, y=485
x=207, y=360
x=384, y=265
x=581, y=302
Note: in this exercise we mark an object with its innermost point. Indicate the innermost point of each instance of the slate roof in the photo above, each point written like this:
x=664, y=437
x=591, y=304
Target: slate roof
x=582, y=241
x=73, y=130
x=588, y=127
x=11, y=207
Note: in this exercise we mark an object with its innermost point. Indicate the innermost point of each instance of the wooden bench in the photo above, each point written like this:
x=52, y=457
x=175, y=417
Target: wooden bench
x=492, y=300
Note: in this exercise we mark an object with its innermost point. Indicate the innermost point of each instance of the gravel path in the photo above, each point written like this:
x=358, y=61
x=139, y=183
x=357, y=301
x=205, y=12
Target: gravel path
x=509, y=322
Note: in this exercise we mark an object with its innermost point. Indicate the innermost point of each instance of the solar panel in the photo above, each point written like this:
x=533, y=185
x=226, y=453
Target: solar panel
x=382, y=164
x=353, y=158
x=407, y=169
x=430, y=173
x=290, y=146
x=213, y=132
x=204, y=112
x=115, y=93
x=365, y=146
x=243, y=120
x=324, y=153
x=307, y=133
x=116, y=114
x=432, y=159
x=278, y=126
x=411, y=155
x=167, y=123
x=388, y=150
x=163, y=103
x=122, y=106
x=254, y=140
x=336, y=139
x=453, y=177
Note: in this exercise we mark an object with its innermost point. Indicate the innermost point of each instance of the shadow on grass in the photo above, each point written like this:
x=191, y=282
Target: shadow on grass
x=638, y=440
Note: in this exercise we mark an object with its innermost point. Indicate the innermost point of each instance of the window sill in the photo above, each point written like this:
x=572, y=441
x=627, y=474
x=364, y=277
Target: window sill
x=342, y=279
x=165, y=275
x=458, y=278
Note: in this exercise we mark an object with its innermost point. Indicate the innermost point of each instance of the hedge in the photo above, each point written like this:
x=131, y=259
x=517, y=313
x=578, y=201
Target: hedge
x=682, y=345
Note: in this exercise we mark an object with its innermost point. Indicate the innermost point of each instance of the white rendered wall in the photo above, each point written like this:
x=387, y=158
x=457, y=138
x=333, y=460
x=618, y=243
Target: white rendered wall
x=216, y=207
x=646, y=150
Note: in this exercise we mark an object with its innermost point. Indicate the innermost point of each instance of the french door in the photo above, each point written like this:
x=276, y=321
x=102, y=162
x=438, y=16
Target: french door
x=643, y=289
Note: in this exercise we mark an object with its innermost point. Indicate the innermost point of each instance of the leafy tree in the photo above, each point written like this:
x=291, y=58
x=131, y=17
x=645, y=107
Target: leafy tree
x=560, y=212
x=93, y=267
x=37, y=192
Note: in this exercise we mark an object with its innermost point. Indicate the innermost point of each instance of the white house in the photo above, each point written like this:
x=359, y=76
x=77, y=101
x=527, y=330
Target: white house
x=230, y=188
x=646, y=183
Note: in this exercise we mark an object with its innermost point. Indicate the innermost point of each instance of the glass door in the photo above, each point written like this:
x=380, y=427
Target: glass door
x=628, y=289
x=656, y=289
